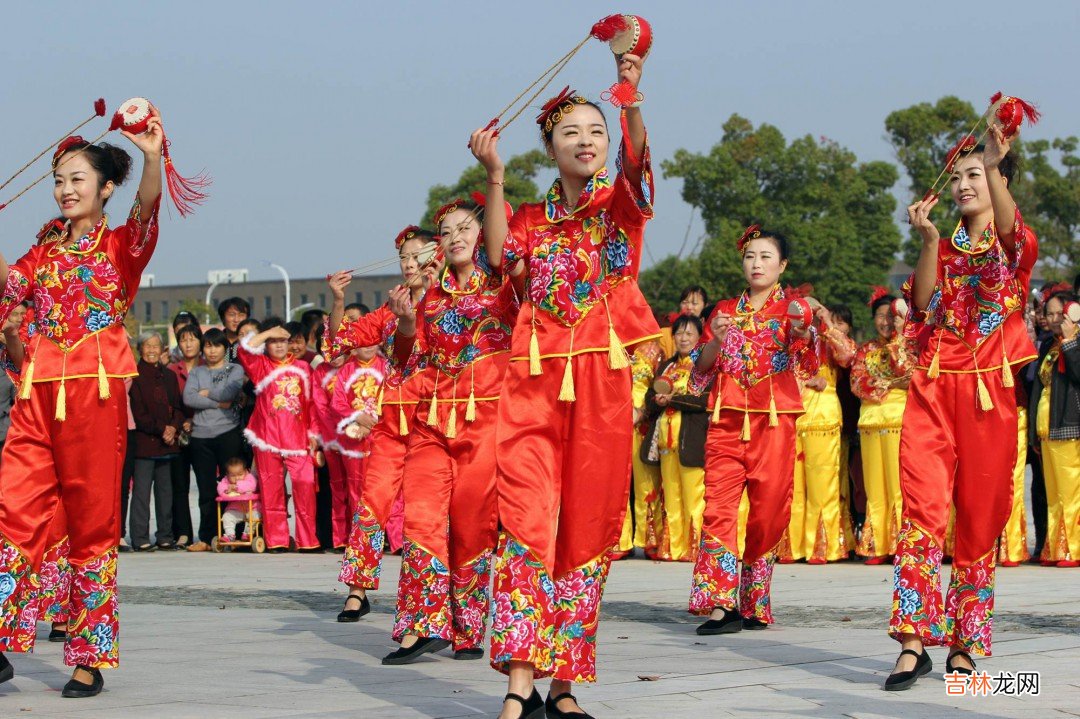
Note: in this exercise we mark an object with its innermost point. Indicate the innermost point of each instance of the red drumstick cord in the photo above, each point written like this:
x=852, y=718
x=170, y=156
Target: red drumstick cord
x=945, y=170
x=67, y=157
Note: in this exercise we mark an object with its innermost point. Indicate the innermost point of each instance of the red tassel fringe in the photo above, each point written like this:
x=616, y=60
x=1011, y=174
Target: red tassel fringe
x=99, y=107
x=184, y=191
x=608, y=28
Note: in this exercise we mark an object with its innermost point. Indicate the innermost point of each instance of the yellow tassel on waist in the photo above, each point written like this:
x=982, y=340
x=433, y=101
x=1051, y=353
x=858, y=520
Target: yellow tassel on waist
x=534, y=348
x=716, y=411
x=773, y=419
x=433, y=411
x=566, y=389
x=27, y=380
x=451, y=421
x=745, y=436
x=402, y=422
x=985, y=403
x=935, y=364
x=61, y=402
x=470, y=407
x=1006, y=370
x=616, y=353
x=102, y=381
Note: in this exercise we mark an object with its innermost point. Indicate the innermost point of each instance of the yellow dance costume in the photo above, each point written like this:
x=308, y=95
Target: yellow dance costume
x=820, y=527
x=1061, y=469
x=879, y=367
x=644, y=524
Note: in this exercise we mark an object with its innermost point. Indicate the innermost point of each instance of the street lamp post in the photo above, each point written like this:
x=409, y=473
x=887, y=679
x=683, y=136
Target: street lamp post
x=288, y=291
x=209, y=296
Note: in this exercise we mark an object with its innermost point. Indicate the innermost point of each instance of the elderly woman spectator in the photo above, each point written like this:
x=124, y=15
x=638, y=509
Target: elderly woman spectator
x=189, y=346
x=213, y=391
x=159, y=418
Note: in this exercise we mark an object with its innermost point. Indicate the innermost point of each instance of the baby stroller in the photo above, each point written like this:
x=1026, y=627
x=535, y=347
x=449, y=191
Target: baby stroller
x=252, y=525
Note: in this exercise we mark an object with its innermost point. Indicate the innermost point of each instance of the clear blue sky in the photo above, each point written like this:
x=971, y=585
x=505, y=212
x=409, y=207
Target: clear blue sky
x=324, y=123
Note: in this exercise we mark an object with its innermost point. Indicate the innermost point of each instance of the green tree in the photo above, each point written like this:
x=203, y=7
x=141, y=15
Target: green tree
x=200, y=309
x=1055, y=195
x=519, y=184
x=922, y=136
x=838, y=214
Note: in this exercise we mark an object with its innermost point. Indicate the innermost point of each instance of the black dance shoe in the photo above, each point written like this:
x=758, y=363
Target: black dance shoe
x=754, y=624
x=353, y=615
x=553, y=711
x=57, y=635
x=951, y=668
x=407, y=655
x=469, y=654
x=78, y=690
x=531, y=708
x=899, y=681
x=731, y=623
x=7, y=671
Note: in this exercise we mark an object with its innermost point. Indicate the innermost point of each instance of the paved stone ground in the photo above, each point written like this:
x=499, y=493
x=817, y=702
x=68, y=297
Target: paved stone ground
x=237, y=635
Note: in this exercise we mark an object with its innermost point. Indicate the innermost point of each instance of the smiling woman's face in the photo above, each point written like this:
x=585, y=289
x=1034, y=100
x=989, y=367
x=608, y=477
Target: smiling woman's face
x=580, y=142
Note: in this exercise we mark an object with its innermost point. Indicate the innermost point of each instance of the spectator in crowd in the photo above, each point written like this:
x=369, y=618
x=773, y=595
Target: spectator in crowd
x=1055, y=405
x=155, y=404
x=311, y=320
x=298, y=341
x=212, y=391
x=232, y=313
x=355, y=310
x=189, y=345
x=182, y=319
x=675, y=440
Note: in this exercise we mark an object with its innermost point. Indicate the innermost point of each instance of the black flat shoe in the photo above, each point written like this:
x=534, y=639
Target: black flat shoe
x=531, y=708
x=898, y=681
x=166, y=546
x=753, y=625
x=731, y=623
x=144, y=548
x=424, y=645
x=553, y=711
x=57, y=635
x=353, y=615
x=464, y=655
x=78, y=690
x=7, y=671
x=951, y=668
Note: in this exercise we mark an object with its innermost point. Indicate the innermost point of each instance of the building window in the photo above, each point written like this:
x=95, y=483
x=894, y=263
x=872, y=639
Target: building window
x=164, y=310
x=359, y=298
x=378, y=298
x=251, y=304
x=303, y=299
x=149, y=310
x=322, y=300
x=268, y=305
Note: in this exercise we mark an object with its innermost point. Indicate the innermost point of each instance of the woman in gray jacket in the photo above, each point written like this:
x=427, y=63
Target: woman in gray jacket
x=213, y=391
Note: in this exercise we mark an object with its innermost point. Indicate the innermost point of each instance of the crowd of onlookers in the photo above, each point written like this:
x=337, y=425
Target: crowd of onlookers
x=188, y=408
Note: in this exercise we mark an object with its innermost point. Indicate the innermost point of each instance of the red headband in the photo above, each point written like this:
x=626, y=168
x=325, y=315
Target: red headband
x=553, y=111
x=752, y=233
x=66, y=144
x=481, y=201
x=964, y=147
x=877, y=294
x=442, y=212
x=405, y=235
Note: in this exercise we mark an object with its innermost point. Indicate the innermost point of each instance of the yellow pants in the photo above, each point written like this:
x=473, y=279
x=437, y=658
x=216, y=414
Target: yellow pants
x=1061, y=469
x=644, y=522
x=684, y=504
x=1013, y=545
x=744, y=513
x=879, y=435
x=814, y=531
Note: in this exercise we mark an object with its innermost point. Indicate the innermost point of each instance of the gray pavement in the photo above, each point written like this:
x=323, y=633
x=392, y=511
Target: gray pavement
x=237, y=635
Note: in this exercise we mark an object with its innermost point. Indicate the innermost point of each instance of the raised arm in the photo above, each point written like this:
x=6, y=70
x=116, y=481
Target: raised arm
x=485, y=148
x=150, y=143
x=925, y=278
x=997, y=147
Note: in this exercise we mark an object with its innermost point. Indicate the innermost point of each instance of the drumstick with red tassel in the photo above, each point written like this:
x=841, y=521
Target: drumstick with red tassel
x=99, y=111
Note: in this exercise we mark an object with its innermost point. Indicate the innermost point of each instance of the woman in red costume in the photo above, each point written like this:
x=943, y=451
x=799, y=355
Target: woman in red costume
x=754, y=350
x=965, y=296
x=389, y=435
x=82, y=277
x=462, y=341
x=566, y=423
